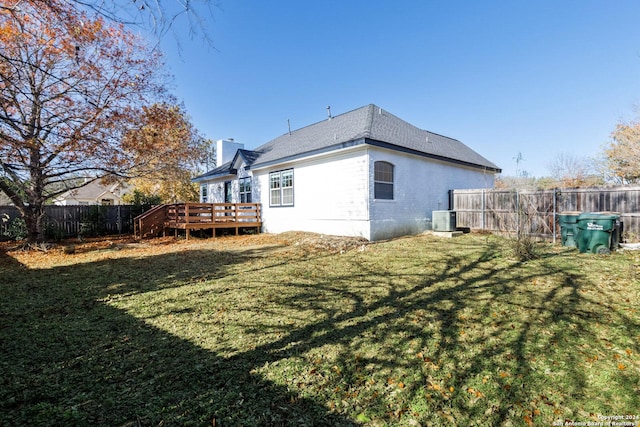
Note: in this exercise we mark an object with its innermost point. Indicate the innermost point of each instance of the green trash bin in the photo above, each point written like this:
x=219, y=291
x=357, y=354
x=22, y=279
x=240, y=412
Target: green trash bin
x=616, y=234
x=595, y=232
x=569, y=228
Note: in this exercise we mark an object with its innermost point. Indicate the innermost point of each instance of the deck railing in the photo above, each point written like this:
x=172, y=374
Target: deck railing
x=212, y=213
x=195, y=216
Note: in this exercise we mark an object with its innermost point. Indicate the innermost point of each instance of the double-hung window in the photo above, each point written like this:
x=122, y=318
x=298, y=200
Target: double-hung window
x=281, y=188
x=383, y=181
x=245, y=190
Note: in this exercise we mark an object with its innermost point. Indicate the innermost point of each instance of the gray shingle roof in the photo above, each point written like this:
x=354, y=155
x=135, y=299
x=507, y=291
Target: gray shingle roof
x=224, y=169
x=366, y=125
x=377, y=127
x=247, y=155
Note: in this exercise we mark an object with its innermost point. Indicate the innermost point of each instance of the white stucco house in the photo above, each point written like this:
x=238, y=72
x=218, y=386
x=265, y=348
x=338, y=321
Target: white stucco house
x=362, y=173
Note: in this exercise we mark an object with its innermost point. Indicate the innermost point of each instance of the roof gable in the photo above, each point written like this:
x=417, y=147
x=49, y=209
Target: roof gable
x=246, y=156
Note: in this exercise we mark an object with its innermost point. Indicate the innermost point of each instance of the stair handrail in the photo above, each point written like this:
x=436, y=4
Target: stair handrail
x=138, y=221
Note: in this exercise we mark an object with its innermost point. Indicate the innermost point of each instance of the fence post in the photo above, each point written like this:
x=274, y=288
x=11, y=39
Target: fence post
x=554, y=214
x=518, y=213
x=119, y=220
x=482, y=210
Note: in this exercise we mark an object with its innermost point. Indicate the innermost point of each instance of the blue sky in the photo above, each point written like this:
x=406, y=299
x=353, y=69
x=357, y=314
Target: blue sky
x=540, y=78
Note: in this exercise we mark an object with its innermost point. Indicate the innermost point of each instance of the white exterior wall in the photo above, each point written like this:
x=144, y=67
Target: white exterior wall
x=334, y=193
x=330, y=195
x=420, y=186
x=215, y=190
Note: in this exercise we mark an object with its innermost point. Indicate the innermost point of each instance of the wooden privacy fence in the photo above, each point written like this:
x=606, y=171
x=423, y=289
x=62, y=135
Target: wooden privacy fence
x=71, y=221
x=536, y=212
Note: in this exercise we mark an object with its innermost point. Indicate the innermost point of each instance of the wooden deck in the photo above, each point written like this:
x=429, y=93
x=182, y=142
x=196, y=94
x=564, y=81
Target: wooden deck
x=197, y=216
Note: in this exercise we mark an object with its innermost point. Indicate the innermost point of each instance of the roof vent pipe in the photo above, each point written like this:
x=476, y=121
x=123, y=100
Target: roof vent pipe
x=329, y=111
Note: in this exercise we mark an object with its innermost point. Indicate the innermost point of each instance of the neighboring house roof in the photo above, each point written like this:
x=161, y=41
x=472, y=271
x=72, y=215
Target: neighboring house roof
x=94, y=191
x=366, y=125
x=5, y=200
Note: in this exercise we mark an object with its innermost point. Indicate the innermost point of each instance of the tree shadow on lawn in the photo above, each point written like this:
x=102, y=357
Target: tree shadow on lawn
x=447, y=338
x=9, y=265
x=71, y=358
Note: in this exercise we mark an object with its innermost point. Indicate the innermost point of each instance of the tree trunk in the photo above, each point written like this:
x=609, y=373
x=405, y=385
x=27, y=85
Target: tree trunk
x=34, y=220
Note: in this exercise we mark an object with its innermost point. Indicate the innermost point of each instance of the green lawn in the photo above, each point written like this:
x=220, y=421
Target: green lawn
x=263, y=330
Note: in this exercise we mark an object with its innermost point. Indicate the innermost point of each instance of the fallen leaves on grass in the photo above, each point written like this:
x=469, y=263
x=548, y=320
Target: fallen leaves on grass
x=404, y=332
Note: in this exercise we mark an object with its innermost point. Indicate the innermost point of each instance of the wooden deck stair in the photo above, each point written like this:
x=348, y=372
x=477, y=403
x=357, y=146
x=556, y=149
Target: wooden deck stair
x=197, y=216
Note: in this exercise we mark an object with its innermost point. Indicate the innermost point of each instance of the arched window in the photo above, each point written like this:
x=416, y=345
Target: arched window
x=383, y=180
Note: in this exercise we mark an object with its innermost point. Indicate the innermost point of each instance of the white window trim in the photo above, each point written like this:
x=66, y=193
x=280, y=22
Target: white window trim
x=241, y=187
x=392, y=183
x=281, y=188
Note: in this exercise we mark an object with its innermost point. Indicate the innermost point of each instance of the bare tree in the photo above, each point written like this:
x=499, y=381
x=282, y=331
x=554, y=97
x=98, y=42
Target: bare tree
x=571, y=170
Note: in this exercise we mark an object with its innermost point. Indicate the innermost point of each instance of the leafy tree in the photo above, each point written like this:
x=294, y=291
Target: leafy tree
x=168, y=172
x=156, y=16
x=141, y=202
x=138, y=198
x=208, y=155
x=622, y=155
x=71, y=88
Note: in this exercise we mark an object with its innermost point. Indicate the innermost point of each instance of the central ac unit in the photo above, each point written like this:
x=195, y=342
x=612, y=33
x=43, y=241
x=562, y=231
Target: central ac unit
x=444, y=221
